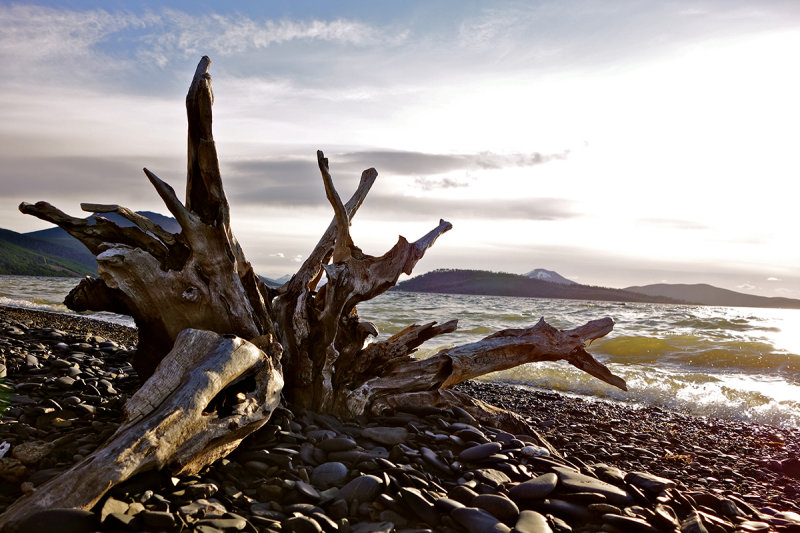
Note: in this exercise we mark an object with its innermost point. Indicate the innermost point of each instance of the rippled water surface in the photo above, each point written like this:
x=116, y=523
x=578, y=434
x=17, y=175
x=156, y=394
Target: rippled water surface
x=731, y=362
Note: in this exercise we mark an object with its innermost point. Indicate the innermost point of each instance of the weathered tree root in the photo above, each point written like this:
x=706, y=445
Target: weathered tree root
x=179, y=288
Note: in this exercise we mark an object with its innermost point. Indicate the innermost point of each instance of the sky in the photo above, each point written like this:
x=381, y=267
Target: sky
x=618, y=142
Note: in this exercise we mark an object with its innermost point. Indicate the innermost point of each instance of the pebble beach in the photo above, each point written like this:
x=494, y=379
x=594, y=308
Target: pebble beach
x=613, y=467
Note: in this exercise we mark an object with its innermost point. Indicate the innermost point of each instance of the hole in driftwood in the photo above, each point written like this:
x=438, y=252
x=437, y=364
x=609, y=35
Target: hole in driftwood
x=228, y=398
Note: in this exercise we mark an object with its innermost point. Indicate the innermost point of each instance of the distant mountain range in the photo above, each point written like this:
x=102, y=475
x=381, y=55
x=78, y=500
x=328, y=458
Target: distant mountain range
x=53, y=252
x=503, y=284
x=454, y=281
x=709, y=295
x=275, y=283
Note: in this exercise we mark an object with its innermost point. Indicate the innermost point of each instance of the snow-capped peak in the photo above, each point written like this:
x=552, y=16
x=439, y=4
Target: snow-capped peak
x=549, y=275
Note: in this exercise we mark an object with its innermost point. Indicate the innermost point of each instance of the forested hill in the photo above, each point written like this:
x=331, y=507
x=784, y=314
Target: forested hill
x=21, y=254
x=502, y=284
x=710, y=295
x=53, y=252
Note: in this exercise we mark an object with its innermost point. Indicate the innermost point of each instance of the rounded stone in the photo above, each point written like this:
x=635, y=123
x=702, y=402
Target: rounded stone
x=478, y=521
x=329, y=474
x=446, y=505
x=306, y=490
x=119, y=521
x=112, y=505
x=420, y=506
x=373, y=527
x=534, y=489
x=791, y=467
x=462, y=494
x=337, y=444
x=564, y=509
x=362, y=488
x=498, y=506
x=31, y=452
x=649, y=482
x=386, y=435
x=158, y=519
x=574, y=481
x=479, y=452
x=225, y=524
x=64, y=382
x=534, y=451
x=532, y=522
x=491, y=476
x=752, y=526
x=59, y=521
x=629, y=523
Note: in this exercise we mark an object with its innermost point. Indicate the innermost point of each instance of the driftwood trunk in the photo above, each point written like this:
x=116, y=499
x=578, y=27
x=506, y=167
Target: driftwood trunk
x=208, y=326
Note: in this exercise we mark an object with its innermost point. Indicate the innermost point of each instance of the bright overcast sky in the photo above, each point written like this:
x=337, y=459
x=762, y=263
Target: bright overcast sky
x=616, y=142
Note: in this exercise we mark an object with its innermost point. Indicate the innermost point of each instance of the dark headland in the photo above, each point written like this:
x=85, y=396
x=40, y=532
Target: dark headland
x=614, y=467
x=484, y=282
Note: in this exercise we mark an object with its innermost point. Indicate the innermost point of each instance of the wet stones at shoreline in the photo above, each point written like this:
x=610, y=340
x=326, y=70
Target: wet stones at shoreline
x=61, y=397
x=436, y=470
x=306, y=471
x=756, y=462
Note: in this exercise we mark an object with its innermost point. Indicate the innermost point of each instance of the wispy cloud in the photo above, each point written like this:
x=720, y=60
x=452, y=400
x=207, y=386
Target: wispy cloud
x=541, y=209
x=296, y=181
x=674, y=223
x=37, y=41
x=430, y=184
x=30, y=32
x=33, y=35
x=234, y=34
x=409, y=163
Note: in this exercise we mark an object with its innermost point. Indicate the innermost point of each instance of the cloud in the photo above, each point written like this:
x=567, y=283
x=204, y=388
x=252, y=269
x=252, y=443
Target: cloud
x=70, y=176
x=674, y=223
x=408, y=163
x=500, y=209
x=61, y=176
x=31, y=33
x=404, y=163
x=296, y=181
x=280, y=181
x=771, y=278
x=428, y=184
x=40, y=41
x=188, y=35
x=61, y=45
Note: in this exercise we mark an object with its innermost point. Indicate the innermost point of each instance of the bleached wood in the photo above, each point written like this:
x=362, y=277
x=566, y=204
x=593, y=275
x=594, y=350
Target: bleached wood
x=404, y=375
x=168, y=421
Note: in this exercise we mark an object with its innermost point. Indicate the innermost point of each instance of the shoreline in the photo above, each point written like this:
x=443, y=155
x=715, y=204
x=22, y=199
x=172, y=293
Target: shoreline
x=746, y=462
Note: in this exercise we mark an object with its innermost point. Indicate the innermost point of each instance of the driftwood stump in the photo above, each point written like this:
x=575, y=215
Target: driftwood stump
x=208, y=326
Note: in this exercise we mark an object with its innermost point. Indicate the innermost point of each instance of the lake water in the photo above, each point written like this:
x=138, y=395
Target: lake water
x=729, y=362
